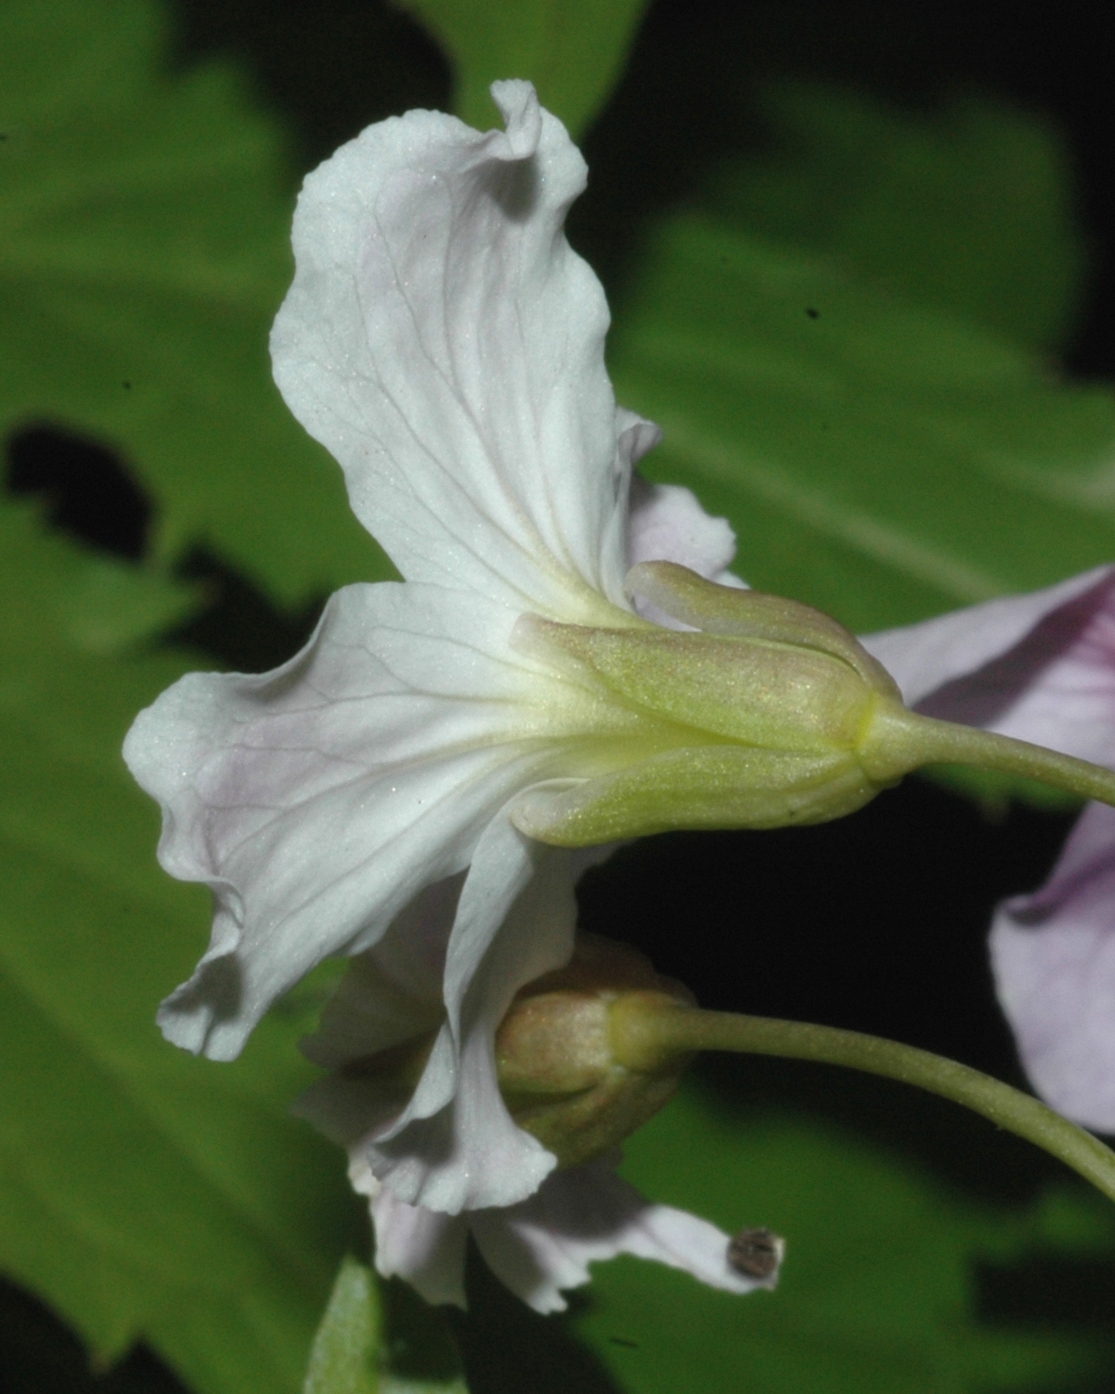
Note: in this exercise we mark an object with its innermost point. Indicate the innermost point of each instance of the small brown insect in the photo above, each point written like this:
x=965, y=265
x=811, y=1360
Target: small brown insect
x=756, y=1253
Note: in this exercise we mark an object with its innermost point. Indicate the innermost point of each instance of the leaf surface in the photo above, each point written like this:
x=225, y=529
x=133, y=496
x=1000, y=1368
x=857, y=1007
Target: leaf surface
x=144, y=227
x=878, y=456
x=967, y=206
x=381, y=1340
x=877, y=1294
x=572, y=50
x=144, y=1192
x=344, y=1358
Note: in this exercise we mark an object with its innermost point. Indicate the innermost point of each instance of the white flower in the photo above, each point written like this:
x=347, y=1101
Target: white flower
x=446, y=345
x=543, y=1245
x=387, y=1006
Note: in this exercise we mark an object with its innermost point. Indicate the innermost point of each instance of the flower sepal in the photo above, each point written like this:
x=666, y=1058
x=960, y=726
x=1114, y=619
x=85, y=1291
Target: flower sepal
x=768, y=714
x=757, y=719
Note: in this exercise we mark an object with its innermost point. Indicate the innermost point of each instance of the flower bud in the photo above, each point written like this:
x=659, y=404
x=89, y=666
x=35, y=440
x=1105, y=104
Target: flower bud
x=558, y=1067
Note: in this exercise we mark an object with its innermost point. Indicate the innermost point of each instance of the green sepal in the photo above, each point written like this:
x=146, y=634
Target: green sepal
x=721, y=786
x=750, y=614
x=757, y=725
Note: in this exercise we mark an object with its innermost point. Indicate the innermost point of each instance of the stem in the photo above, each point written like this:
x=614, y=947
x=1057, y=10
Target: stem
x=645, y=1036
x=900, y=740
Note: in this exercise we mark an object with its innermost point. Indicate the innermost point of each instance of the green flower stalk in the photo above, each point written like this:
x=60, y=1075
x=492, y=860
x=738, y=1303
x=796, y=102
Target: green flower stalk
x=589, y=1053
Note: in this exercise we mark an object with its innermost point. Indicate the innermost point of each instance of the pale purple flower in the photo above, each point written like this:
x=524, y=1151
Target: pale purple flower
x=443, y=341
x=1041, y=667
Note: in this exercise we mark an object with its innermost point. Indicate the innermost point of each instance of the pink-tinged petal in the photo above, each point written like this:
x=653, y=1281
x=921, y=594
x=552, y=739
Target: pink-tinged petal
x=347, y=1108
x=587, y=1214
x=444, y=342
x=938, y=655
x=391, y=993
x=668, y=524
x=1056, y=688
x=456, y=1147
x=424, y=1248
x=1053, y=955
x=318, y=800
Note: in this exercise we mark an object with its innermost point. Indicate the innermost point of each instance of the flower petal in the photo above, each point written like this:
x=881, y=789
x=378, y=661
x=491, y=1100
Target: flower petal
x=423, y=1247
x=391, y=993
x=667, y=523
x=1041, y=668
x=978, y=664
x=1053, y=955
x=318, y=800
x=587, y=1214
x=443, y=341
x=456, y=1146
x=1056, y=687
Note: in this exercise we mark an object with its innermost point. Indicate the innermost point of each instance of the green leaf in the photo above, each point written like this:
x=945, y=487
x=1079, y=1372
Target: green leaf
x=420, y=1355
x=373, y=1342
x=572, y=50
x=877, y=1292
x=145, y=227
x=880, y=457
x=344, y=1358
x=967, y=208
x=96, y=601
x=142, y=1192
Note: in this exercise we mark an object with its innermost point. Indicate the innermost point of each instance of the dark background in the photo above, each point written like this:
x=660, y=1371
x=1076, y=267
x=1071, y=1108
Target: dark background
x=876, y=923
